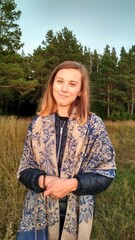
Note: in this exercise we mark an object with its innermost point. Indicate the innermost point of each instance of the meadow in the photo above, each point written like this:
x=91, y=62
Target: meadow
x=115, y=208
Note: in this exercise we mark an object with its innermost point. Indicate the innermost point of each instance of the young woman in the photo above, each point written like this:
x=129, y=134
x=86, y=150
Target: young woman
x=67, y=159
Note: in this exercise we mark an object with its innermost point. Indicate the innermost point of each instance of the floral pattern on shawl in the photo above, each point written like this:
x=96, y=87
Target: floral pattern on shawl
x=88, y=148
x=33, y=208
x=86, y=205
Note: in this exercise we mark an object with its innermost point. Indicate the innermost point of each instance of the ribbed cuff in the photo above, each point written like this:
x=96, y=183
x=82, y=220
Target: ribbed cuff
x=79, y=187
x=39, y=189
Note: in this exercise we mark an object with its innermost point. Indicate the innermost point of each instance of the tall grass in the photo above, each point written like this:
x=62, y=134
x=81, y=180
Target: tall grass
x=115, y=208
x=115, y=211
x=12, y=135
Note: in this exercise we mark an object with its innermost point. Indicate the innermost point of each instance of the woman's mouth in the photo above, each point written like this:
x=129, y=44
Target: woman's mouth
x=62, y=96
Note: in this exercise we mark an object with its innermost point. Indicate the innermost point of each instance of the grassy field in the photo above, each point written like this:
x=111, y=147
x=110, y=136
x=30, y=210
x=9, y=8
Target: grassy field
x=115, y=208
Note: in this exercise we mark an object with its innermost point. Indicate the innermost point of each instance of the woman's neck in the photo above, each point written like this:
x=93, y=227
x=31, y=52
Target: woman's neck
x=63, y=112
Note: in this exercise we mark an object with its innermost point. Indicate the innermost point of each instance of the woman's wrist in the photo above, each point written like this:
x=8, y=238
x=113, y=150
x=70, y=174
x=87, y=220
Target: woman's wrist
x=73, y=184
x=41, y=182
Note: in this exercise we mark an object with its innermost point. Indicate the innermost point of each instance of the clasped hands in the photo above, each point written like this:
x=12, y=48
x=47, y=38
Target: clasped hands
x=58, y=187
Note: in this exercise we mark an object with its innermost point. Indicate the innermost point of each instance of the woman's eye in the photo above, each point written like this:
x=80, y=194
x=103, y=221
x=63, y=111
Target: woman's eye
x=59, y=81
x=72, y=84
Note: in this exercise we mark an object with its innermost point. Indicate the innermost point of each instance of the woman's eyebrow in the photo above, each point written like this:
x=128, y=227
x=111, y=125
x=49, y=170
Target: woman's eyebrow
x=74, y=81
x=71, y=80
x=60, y=78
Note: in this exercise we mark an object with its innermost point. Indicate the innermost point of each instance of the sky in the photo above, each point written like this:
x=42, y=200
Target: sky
x=95, y=23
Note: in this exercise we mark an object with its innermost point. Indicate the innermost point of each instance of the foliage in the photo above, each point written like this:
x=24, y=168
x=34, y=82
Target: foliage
x=56, y=48
x=10, y=31
x=23, y=78
x=114, y=213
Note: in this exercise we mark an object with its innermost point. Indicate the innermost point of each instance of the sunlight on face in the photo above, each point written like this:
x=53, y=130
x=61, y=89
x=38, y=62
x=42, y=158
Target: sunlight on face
x=66, y=88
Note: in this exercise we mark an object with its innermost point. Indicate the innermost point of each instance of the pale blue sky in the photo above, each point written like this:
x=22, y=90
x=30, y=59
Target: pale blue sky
x=95, y=23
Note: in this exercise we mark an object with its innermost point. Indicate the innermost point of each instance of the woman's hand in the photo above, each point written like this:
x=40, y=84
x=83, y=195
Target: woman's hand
x=59, y=188
x=48, y=179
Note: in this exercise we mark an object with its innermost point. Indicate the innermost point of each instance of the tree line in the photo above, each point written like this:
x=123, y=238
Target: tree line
x=23, y=78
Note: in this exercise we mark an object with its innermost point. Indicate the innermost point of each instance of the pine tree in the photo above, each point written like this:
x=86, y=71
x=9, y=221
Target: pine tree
x=55, y=49
x=10, y=38
x=126, y=68
x=104, y=76
x=15, y=87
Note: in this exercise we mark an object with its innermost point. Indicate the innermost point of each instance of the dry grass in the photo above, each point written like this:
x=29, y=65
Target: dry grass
x=12, y=132
x=114, y=217
x=115, y=211
x=122, y=134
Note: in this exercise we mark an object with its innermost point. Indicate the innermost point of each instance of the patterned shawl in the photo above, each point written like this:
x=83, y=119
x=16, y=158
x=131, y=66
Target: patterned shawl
x=88, y=149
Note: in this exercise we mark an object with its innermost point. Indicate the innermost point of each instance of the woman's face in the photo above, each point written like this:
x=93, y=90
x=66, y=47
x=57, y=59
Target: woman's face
x=66, y=88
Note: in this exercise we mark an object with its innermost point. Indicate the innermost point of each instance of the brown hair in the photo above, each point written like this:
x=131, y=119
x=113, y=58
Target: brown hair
x=48, y=103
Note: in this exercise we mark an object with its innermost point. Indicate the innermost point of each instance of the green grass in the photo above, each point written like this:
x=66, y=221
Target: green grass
x=115, y=208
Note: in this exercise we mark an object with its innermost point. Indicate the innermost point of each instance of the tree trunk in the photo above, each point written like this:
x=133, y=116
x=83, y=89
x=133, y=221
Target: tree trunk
x=133, y=100
x=108, y=100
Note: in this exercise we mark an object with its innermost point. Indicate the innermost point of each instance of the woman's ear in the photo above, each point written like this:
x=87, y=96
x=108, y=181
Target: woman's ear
x=79, y=94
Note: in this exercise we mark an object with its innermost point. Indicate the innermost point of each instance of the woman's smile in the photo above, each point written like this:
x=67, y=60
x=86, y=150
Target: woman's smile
x=62, y=96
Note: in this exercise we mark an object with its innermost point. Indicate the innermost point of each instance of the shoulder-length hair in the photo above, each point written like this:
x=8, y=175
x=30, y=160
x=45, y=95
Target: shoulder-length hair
x=81, y=105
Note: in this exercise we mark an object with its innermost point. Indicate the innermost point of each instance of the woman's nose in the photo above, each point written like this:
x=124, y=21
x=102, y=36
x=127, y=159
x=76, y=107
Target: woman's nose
x=64, y=87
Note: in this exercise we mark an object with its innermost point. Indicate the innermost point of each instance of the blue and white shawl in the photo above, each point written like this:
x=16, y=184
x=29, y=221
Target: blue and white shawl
x=88, y=149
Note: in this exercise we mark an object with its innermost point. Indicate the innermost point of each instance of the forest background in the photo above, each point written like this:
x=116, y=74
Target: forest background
x=22, y=82
x=23, y=78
